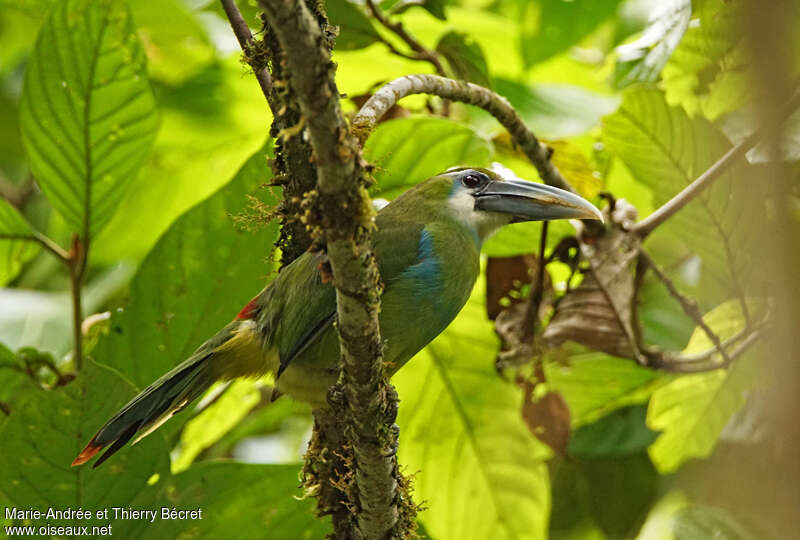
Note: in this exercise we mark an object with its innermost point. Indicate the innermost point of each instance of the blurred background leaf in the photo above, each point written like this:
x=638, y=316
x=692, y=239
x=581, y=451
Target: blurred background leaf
x=394, y=149
x=195, y=280
x=87, y=131
x=16, y=242
x=49, y=428
x=692, y=410
x=465, y=58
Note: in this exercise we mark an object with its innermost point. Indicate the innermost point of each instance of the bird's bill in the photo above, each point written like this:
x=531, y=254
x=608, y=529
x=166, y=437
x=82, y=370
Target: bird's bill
x=528, y=201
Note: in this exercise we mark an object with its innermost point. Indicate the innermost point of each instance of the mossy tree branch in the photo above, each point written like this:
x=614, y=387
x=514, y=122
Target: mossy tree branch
x=498, y=106
x=340, y=213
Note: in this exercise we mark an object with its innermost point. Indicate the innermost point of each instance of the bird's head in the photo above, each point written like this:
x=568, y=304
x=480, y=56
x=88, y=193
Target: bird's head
x=485, y=201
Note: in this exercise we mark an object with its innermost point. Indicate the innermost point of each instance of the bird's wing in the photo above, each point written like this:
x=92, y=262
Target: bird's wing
x=308, y=305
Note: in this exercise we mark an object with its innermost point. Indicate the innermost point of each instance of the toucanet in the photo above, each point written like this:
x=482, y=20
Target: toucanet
x=427, y=244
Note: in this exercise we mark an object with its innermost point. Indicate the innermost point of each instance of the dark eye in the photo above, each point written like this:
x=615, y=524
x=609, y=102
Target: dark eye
x=471, y=180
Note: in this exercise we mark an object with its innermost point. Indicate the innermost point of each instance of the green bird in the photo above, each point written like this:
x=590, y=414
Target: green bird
x=427, y=246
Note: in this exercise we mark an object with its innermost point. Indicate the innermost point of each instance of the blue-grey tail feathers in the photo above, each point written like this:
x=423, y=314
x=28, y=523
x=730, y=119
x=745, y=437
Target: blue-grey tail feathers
x=155, y=405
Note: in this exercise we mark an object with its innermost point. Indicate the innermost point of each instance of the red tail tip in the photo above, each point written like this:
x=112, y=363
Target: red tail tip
x=87, y=453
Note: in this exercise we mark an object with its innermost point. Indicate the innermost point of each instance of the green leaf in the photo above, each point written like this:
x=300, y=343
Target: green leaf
x=551, y=26
x=215, y=421
x=237, y=501
x=595, y=384
x=465, y=58
x=555, y=111
x=619, y=493
x=210, y=125
x=201, y=254
x=50, y=427
x=407, y=151
x=17, y=243
x=196, y=279
x=709, y=71
x=643, y=59
x=666, y=150
x=621, y=433
x=285, y=419
x=355, y=28
x=482, y=473
x=692, y=410
x=175, y=41
x=434, y=7
x=88, y=115
x=13, y=380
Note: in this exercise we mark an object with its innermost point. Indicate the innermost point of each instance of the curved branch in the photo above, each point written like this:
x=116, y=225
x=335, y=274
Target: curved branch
x=465, y=92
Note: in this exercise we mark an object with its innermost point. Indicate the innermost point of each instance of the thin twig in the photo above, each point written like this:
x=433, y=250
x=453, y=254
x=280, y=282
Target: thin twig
x=77, y=266
x=245, y=38
x=389, y=94
x=42, y=240
x=422, y=53
x=534, y=301
x=688, y=305
x=690, y=192
x=701, y=362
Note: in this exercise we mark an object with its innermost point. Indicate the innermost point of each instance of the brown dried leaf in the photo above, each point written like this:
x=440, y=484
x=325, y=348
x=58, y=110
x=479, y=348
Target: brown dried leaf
x=598, y=313
x=507, y=274
x=548, y=418
x=505, y=278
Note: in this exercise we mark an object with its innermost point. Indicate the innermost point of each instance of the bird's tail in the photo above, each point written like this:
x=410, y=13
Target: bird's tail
x=161, y=400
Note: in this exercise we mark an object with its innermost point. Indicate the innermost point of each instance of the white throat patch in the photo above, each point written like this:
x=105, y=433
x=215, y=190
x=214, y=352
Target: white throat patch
x=483, y=224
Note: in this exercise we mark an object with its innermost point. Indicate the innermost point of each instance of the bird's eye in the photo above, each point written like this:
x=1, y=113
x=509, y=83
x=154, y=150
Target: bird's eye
x=471, y=181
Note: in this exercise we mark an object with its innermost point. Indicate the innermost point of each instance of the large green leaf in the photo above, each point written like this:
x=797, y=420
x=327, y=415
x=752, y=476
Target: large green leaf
x=88, y=115
x=50, y=427
x=643, y=59
x=407, y=151
x=237, y=501
x=175, y=41
x=596, y=384
x=210, y=125
x=359, y=70
x=482, y=473
x=201, y=272
x=214, y=421
x=692, y=410
x=551, y=26
x=16, y=242
x=666, y=150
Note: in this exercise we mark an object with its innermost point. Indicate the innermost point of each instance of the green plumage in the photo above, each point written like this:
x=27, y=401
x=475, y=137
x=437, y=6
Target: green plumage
x=427, y=246
x=297, y=301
